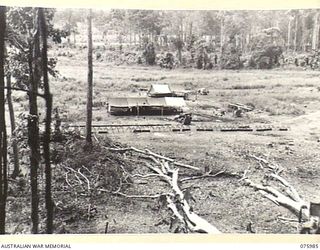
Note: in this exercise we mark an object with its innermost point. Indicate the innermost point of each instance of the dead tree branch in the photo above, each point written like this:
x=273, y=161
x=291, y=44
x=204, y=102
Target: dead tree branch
x=202, y=176
x=87, y=180
x=176, y=201
x=266, y=164
x=67, y=181
x=179, y=205
x=287, y=219
x=149, y=153
x=277, y=197
x=152, y=196
x=288, y=198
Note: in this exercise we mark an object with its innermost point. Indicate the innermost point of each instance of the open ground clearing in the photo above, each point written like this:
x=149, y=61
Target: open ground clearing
x=280, y=97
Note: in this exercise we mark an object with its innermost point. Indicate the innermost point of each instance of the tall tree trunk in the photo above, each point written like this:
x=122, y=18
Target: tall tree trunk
x=90, y=79
x=3, y=132
x=247, y=42
x=33, y=125
x=182, y=30
x=303, y=34
x=295, y=41
x=180, y=42
x=190, y=30
x=289, y=35
x=315, y=32
x=140, y=40
x=15, y=149
x=221, y=33
x=47, y=134
x=180, y=54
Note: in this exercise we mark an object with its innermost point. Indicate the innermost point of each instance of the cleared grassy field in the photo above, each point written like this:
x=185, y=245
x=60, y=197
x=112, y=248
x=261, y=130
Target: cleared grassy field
x=275, y=92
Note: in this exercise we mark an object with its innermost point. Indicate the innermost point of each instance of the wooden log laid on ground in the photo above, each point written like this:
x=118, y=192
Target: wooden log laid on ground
x=240, y=106
x=150, y=153
x=288, y=198
x=180, y=207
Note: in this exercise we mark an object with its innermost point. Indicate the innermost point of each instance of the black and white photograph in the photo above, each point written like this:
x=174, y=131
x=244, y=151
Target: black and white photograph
x=140, y=121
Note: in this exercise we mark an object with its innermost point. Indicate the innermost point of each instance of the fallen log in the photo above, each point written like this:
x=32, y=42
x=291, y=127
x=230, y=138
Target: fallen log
x=288, y=198
x=142, y=196
x=179, y=205
x=279, y=198
x=287, y=219
x=239, y=106
x=150, y=153
x=202, y=176
x=176, y=201
x=266, y=164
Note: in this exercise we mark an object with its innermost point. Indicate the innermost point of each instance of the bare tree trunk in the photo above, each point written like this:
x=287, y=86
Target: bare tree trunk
x=303, y=34
x=69, y=25
x=289, y=35
x=180, y=49
x=90, y=79
x=247, y=42
x=15, y=149
x=221, y=33
x=140, y=40
x=190, y=30
x=47, y=134
x=180, y=41
x=33, y=126
x=295, y=41
x=243, y=49
x=3, y=132
x=315, y=32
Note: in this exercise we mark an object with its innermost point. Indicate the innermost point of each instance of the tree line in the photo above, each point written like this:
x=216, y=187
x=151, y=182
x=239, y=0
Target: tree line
x=298, y=29
x=199, y=39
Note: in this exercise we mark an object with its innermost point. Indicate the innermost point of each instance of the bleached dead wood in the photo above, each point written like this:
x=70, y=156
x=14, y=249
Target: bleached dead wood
x=144, y=176
x=77, y=177
x=150, y=196
x=287, y=219
x=138, y=175
x=240, y=106
x=202, y=176
x=176, y=201
x=290, y=190
x=179, y=205
x=67, y=180
x=279, y=198
x=85, y=177
x=266, y=164
x=288, y=198
x=152, y=154
x=143, y=196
